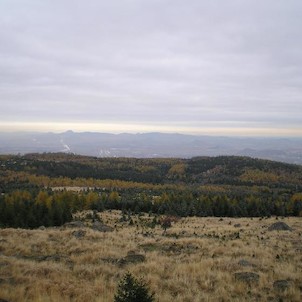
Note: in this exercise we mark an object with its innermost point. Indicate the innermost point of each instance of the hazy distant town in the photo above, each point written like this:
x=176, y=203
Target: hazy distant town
x=151, y=145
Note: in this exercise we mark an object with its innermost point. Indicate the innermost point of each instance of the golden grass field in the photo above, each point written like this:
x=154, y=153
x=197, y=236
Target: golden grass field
x=195, y=260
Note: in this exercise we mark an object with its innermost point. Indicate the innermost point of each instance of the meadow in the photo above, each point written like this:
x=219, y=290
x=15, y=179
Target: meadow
x=196, y=259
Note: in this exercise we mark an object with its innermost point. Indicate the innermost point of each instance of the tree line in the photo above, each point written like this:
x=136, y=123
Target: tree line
x=31, y=209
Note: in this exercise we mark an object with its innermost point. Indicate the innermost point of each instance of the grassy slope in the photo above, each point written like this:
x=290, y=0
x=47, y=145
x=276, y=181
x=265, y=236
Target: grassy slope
x=195, y=261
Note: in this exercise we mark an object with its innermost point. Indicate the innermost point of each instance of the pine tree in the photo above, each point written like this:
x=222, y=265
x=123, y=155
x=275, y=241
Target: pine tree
x=131, y=289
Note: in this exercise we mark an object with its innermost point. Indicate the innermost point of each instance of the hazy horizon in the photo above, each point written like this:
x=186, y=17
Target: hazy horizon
x=134, y=129
x=231, y=68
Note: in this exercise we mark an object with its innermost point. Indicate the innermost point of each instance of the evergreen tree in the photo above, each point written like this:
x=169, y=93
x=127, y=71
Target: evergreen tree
x=131, y=289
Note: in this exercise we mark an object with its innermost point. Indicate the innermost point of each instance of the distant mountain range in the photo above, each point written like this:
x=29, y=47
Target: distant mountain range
x=151, y=145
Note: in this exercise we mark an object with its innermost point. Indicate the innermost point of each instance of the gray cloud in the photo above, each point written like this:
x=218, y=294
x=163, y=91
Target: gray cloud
x=195, y=63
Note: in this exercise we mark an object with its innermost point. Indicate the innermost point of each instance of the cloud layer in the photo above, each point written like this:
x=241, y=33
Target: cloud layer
x=174, y=64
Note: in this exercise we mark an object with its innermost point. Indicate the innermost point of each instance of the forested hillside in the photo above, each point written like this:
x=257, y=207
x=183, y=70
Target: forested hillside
x=45, y=189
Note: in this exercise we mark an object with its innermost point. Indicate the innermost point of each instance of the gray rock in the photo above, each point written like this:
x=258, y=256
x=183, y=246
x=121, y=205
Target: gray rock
x=279, y=226
x=247, y=277
x=98, y=226
x=281, y=285
x=132, y=259
x=237, y=225
x=74, y=224
x=79, y=233
x=244, y=262
x=42, y=228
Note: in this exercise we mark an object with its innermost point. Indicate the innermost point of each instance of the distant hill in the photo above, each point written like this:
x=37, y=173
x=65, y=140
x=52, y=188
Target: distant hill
x=51, y=183
x=151, y=145
x=220, y=170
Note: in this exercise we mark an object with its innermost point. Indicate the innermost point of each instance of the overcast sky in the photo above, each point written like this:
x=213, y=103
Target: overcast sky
x=214, y=67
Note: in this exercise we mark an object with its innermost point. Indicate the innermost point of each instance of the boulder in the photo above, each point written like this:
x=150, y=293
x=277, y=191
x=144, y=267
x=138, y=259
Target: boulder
x=132, y=259
x=244, y=262
x=281, y=285
x=247, y=277
x=98, y=226
x=279, y=226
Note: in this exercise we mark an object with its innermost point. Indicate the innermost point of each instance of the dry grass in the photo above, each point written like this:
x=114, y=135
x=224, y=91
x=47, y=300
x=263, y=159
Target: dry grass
x=194, y=261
